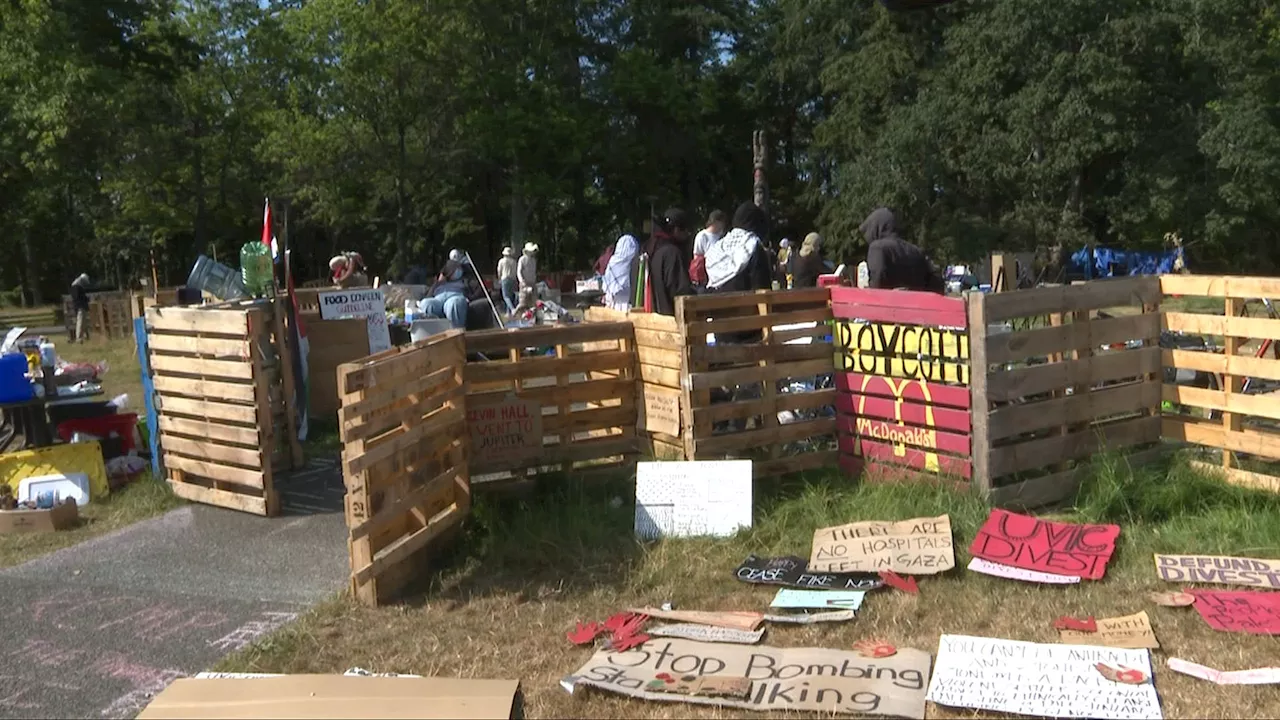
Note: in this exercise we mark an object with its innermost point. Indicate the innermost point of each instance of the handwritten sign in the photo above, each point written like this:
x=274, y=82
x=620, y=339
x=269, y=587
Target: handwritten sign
x=507, y=432
x=789, y=599
x=782, y=679
x=1256, y=613
x=1255, y=676
x=1220, y=570
x=660, y=411
x=707, y=633
x=903, y=351
x=810, y=618
x=1024, y=678
x=1130, y=631
x=1050, y=547
x=692, y=499
x=366, y=303
x=794, y=572
x=986, y=567
x=912, y=547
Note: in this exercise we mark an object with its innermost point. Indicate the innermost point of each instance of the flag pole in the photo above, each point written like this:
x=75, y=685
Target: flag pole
x=487, y=296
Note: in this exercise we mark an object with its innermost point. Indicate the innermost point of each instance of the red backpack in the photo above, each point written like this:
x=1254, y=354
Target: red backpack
x=698, y=269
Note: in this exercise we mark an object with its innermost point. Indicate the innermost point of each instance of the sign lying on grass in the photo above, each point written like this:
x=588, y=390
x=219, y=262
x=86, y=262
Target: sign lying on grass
x=707, y=633
x=787, y=679
x=1130, y=631
x=794, y=572
x=1220, y=570
x=355, y=303
x=1026, y=678
x=1256, y=676
x=692, y=499
x=660, y=411
x=1256, y=613
x=732, y=619
x=912, y=547
x=986, y=567
x=1049, y=547
x=788, y=599
x=508, y=431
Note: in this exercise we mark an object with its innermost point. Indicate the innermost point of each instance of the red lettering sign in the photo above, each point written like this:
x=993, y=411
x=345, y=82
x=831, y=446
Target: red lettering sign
x=1058, y=548
x=1246, y=611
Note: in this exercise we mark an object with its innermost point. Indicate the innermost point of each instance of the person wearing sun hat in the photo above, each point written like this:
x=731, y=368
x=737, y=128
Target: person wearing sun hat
x=527, y=268
x=507, y=278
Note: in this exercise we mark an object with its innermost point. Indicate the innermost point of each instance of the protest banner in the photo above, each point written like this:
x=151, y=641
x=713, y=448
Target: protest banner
x=506, y=432
x=1248, y=611
x=660, y=409
x=794, y=572
x=707, y=633
x=921, y=546
x=1045, y=680
x=1219, y=570
x=789, y=599
x=1130, y=631
x=692, y=498
x=1254, y=676
x=782, y=679
x=366, y=303
x=986, y=567
x=1044, y=546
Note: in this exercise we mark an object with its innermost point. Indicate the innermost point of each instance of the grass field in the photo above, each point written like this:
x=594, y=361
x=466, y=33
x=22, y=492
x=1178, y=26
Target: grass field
x=528, y=569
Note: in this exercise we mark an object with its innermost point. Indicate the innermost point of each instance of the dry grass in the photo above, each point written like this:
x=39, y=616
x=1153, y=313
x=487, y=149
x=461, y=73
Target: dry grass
x=528, y=569
x=121, y=355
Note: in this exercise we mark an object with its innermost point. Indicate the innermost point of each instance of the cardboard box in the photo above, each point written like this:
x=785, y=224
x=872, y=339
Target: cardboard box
x=337, y=696
x=60, y=517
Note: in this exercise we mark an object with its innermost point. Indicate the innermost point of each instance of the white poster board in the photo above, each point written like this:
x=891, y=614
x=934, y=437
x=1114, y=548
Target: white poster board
x=367, y=303
x=1026, y=678
x=692, y=498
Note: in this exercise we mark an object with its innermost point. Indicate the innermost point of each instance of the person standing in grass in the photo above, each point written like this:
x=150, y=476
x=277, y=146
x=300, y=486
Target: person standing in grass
x=80, y=304
x=507, y=279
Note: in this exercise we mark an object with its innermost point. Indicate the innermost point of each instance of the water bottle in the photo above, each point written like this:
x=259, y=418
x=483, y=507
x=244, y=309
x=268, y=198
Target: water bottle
x=255, y=268
x=409, y=309
x=48, y=354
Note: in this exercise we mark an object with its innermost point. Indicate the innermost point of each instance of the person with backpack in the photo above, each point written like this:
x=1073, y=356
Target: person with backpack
x=704, y=241
x=662, y=270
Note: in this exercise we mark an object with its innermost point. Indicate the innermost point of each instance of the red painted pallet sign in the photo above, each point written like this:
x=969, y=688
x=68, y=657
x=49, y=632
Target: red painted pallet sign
x=898, y=306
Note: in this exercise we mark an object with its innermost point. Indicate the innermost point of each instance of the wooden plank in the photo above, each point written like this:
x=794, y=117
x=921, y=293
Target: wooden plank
x=743, y=354
x=1094, y=295
x=1211, y=434
x=655, y=339
x=214, y=347
x=549, y=367
x=1222, y=401
x=752, y=439
x=500, y=341
x=818, y=333
x=897, y=306
x=665, y=377
x=1082, y=408
x=1061, y=486
x=197, y=320
x=1012, y=385
x=899, y=434
x=1221, y=286
x=898, y=314
x=580, y=392
x=639, y=320
x=1065, y=338
x=877, y=385
x=212, y=451
x=887, y=454
x=209, y=430
x=1245, y=327
x=552, y=455
x=1241, y=478
x=405, y=547
x=383, y=400
x=436, y=492
x=392, y=366
x=910, y=368
x=912, y=413
x=980, y=432
x=695, y=305
x=580, y=421
x=1232, y=384
x=705, y=417
x=231, y=369
x=285, y=350
x=168, y=405
x=219, y=498
x=1211, y=362
x=747, y=375
x=204, y=388
x=441, y=421
x=791, y=464
x=1044, y=452
x=214, y=471
x=659, y=357
x=756, y=322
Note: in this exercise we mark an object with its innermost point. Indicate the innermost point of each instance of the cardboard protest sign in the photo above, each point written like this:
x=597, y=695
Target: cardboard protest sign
x=732, y=619
x=812, y=618
x=708, y=633
x=1220, y=570
x=782, y=679
x=1249, y=611
x=1025, y=678
x=367, y=303
x=1130, y=631
x=921, y=546
x=660, y=411
x=794, y=572
x=1256, y=676
x=1050, y=547
x=506, y=431
x=692, y=499
x=986, y=567
x=788, y=599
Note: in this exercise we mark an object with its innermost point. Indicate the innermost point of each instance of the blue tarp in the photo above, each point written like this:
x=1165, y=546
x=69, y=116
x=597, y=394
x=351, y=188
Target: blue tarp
x=1108, y=263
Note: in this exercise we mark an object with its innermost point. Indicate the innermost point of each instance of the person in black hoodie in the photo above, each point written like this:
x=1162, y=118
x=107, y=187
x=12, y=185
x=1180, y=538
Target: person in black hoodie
x=668, y=266
x=894, y=263
x=741, y=261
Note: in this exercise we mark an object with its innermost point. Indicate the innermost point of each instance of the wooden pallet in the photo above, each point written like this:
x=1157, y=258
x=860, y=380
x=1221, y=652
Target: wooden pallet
x=579, y=381
x=110, y=314
x=791, y=345
x=405, y=460
x=224, y=395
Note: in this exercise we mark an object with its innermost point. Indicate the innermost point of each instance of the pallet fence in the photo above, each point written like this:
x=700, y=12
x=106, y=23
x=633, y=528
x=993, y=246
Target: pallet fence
x=405, y=460
x=223, y=386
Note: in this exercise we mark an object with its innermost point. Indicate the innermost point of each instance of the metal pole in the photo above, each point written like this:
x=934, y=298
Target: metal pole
x=487, y=296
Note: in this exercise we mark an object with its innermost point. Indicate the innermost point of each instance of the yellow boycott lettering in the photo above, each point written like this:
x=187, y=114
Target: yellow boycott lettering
x=890, y=339
x=929, y=369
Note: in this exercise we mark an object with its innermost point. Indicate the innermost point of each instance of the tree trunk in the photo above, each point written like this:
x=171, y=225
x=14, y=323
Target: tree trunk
x=30, y=275
x=519, y=211
x=401, y=258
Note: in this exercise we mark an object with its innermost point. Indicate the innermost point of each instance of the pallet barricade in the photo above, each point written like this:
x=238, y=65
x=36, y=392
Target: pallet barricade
x=405, y=459
x=551, y=399
x=110, y=315
x=224, y=394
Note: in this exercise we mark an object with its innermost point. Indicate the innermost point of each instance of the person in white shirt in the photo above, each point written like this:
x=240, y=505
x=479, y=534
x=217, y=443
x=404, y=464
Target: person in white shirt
x=527, y=272
x=507, y=278
x=704, y=241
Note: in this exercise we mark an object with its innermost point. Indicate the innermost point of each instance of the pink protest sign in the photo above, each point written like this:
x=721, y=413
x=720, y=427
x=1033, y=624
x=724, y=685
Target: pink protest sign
x=1049, y=547
x=1256, y=613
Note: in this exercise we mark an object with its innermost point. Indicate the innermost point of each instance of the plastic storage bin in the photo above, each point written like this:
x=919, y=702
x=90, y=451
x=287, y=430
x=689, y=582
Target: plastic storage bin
x=14, y=386
x=124, y=425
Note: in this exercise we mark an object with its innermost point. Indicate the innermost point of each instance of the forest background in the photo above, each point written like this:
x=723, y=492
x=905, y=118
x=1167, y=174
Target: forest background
x=132, y=129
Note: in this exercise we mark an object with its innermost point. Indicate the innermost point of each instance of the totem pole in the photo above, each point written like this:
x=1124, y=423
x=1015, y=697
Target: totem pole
x=760, y=158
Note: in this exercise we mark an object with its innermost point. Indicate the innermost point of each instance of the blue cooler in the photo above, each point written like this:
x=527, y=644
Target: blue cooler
x=14, y=386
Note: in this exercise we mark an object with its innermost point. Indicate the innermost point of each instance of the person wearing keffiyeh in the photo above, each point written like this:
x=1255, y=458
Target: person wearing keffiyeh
x=740, y=261
x=617, y=274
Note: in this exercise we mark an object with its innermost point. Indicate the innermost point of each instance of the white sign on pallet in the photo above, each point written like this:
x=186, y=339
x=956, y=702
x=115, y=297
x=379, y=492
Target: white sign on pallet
x=367, y=303
x=692, y=498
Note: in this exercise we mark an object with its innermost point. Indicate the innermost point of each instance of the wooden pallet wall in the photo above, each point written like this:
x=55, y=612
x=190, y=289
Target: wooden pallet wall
x=224, y=394
x=579, y=382
x=405, y=460
x=790, y=343
x=110, y=314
